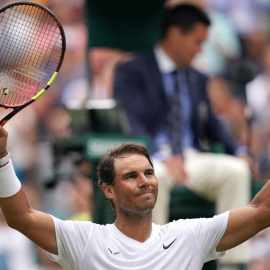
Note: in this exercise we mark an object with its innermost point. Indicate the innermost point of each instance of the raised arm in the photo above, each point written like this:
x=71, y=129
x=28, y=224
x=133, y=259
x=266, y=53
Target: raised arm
x=247, y=221
x=37, y=226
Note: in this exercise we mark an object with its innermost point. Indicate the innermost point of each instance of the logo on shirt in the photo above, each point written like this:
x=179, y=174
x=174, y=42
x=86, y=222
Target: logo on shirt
x=113, y=252
x=167, y=246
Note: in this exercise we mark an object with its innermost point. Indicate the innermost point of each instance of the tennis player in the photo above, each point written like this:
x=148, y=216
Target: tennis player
x=127, y=177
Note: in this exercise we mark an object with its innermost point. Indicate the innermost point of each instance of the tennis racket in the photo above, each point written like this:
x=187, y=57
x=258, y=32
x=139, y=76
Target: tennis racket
x=32, y=48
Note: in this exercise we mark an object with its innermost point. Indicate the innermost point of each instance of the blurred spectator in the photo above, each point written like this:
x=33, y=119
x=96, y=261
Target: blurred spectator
x=244, y=15
x=75, y=85
x=228, y=108
x=258, y=96
x=102, y=64
x=254, y=44
x=258, y=92
x=23, y=135
x=230, y=111
x=260, y=250
x=58, y=174
x=222, y=45
x=72, y=81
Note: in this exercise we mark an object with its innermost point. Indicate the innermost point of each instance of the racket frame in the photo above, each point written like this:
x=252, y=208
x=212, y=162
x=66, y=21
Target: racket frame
x=18, y=107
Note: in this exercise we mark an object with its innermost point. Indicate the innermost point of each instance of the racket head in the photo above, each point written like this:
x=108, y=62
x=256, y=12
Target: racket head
x=32, y=48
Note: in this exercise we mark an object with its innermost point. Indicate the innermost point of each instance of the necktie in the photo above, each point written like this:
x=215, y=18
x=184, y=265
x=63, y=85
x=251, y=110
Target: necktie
x=175, y=125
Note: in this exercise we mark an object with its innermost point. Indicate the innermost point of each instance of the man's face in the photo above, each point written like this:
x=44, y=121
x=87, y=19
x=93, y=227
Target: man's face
x=135, y=189
x=185, y=46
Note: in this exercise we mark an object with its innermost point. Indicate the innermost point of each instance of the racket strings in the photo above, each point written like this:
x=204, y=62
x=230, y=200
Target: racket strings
x=22, y=86
x=30, y=47
x=20, y=36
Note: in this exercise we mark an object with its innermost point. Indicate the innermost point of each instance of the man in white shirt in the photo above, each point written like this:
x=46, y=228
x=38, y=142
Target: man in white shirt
x=128, y=180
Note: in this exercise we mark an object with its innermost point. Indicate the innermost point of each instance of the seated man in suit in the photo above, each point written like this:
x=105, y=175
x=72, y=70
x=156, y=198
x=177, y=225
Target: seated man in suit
x=166, y=99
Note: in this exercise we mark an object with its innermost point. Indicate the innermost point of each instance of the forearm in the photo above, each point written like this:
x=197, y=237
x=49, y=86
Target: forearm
x=262, y=203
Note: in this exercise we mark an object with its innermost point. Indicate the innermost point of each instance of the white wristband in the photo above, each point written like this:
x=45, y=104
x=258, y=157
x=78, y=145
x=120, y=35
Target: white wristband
x=9, y=183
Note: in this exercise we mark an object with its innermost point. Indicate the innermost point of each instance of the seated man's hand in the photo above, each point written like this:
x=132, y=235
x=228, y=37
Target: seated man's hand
x=175, y=166
x=252, y=164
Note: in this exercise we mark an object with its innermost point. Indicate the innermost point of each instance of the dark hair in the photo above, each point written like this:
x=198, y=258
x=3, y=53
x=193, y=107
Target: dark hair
x=185, y=16
x=106, y=171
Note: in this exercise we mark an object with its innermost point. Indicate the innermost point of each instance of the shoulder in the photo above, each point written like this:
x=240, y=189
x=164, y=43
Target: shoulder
x=77, y=227
x=219, y=221
x=209, y=226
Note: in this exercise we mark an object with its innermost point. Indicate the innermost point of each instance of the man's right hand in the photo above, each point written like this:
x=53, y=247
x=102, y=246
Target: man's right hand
x=175, y=166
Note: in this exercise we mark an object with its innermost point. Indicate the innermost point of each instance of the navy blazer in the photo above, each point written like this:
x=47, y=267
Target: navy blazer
x=138, y=87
